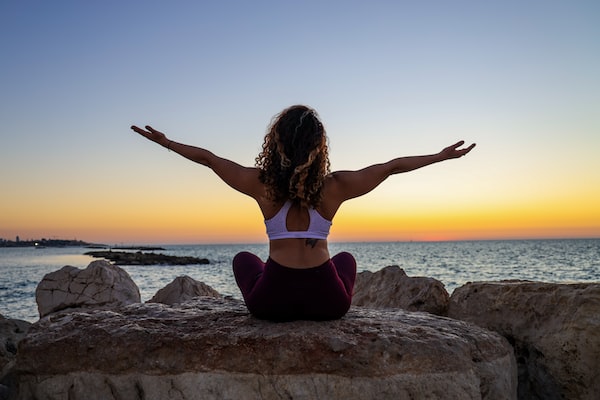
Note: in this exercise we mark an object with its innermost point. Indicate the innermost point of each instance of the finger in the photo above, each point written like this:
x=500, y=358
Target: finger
x=468, y=149
x=458, y=144
x=464, y=151
x=137, y=129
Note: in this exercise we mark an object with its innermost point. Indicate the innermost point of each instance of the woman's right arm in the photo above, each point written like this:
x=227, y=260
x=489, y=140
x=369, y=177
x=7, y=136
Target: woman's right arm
x=242, y=179
x=196, y=154
x=350, y=184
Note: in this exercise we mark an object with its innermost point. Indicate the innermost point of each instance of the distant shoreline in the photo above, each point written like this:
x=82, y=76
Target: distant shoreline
x=41, y=243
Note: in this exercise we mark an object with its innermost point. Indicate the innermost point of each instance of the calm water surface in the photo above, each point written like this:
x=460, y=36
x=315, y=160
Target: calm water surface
x=453, y=263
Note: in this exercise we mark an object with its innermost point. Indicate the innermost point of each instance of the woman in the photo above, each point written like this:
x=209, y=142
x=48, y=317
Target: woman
x=298, y=197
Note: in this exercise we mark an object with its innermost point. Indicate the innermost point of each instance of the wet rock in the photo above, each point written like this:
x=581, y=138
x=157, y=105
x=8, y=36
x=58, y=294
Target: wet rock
x=392, y=288
x=141, y=258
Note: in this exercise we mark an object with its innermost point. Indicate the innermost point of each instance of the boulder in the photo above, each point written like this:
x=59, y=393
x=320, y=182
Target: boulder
x=213, y=349
x=392, y=288
x=100, y=285
x=11, y=333
x=554, y=329
x=182, y=289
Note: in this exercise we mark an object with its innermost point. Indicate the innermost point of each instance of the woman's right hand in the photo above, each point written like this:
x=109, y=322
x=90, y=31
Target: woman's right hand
x=152, y=134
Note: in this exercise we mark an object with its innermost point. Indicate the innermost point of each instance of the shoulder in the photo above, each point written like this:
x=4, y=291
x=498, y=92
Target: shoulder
x=331, y=195
x=335, y=181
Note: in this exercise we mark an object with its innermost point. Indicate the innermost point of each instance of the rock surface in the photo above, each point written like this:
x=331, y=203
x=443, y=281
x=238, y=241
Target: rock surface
x=182, y=289
x=141, y=258
x=392, y=288
x=213, y=349
x=100, y=285
x=554, y=328
x=11, y=333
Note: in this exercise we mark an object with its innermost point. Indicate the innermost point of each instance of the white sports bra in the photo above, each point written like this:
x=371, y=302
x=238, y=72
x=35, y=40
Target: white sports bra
x=318, y=228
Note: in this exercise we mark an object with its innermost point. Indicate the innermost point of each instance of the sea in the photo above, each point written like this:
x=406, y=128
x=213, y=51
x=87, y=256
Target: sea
x=452, y=263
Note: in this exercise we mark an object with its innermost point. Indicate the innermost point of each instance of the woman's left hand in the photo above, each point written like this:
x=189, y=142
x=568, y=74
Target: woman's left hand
x=454, y=151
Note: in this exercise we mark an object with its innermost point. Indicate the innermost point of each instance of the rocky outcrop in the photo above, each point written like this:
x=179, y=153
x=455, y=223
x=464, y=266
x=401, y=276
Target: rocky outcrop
x=200, y=345
x=141, y=258
x=182, y=289
x=11, y=333
x=554, y=329
x=213, y=349
x=392, y=288
x=100, y=285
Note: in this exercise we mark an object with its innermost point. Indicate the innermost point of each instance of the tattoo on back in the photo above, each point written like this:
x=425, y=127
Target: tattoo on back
x=311, y=242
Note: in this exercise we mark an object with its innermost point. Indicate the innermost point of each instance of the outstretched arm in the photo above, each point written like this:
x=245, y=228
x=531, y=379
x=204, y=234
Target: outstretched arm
x=242, y=179
x=350, y=184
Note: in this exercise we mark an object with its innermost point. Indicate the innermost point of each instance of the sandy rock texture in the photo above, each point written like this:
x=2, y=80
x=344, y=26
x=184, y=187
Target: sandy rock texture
x=213, y=349
x=390, y=287
x=554, y=328
x=100, y=285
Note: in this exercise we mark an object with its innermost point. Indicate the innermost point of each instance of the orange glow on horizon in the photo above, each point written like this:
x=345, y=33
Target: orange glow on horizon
x=227, y=217
x=245, y=226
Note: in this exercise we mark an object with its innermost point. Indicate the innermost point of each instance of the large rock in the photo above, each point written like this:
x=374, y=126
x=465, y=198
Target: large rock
x=11, y=333
x=213, y=349
x=100, y=285
x=392, y=288
x=182, y=289
x=555, y=330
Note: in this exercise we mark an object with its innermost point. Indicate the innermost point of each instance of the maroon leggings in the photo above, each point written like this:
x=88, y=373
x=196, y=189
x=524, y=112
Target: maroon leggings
x=272, y=291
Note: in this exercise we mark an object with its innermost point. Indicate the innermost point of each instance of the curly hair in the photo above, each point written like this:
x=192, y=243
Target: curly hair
x=294, y=160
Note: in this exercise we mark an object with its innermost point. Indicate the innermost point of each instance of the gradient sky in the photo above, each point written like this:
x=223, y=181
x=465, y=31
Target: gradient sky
x=389, y=78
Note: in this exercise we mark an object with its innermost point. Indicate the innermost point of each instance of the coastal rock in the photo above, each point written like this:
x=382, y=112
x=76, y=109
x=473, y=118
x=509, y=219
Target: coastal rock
x=100, y=285
x=213, y=349
x=182, y=289
x=392, y=288
x=141, y=258
x=554, y=329
x=11, y=333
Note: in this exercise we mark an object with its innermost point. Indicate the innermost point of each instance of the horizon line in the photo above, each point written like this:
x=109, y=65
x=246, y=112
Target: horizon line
x=208, y=243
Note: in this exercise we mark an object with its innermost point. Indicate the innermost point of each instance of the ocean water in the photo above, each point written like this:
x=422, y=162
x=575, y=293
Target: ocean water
x=453, y=263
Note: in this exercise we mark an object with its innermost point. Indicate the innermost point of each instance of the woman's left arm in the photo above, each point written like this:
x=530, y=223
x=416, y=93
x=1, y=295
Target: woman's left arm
x=406, y=164
x=349, y=184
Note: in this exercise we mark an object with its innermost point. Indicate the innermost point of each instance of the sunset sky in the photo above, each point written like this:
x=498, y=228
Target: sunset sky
x=389, y=78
